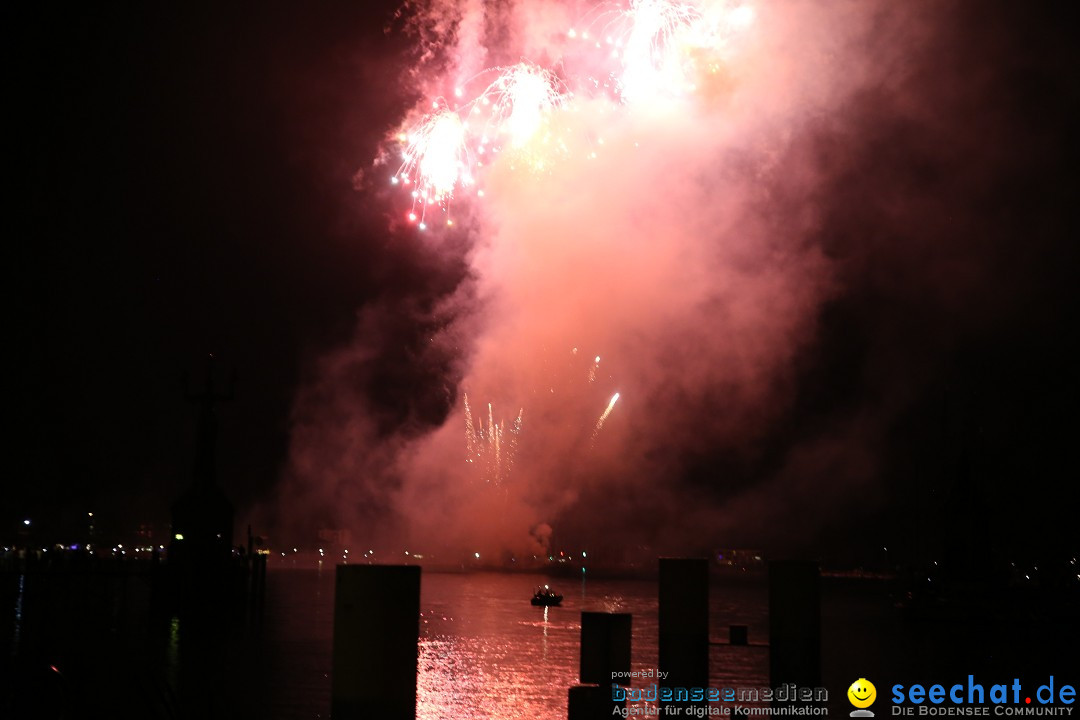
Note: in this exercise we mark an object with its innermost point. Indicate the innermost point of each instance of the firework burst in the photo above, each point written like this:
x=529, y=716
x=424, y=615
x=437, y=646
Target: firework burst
x=517, y=104
x=654, y=48
x=649, y=50
x=647, y=45
x=435, y=162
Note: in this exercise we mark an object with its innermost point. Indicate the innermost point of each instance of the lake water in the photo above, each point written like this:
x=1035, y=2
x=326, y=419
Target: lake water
x=87, y=646
x=485, y=652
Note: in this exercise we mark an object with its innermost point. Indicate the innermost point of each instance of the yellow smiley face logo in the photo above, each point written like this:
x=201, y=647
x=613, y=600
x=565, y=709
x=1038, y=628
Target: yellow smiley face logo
x=862, y=693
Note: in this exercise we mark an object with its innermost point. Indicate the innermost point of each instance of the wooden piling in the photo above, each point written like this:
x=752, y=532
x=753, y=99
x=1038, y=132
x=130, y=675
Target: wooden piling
x=794, y=623
x=684, y=623
x=376, y=635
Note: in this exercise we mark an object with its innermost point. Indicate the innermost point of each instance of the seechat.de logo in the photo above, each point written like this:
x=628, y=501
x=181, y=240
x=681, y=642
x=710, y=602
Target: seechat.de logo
x=973, y=698
x=862, y=694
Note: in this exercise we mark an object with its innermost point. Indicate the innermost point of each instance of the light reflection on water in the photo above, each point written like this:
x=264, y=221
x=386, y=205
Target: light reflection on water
x=17, y=627
x=485, y=652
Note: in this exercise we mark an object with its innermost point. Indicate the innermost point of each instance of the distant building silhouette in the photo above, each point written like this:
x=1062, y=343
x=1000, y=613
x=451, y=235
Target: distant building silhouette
x=333, y=538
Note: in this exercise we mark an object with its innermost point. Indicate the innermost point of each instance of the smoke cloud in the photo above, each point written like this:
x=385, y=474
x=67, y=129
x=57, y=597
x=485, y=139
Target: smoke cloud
x=765, y=269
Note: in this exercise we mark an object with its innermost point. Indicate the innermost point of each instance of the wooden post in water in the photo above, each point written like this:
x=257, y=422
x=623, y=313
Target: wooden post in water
x=605, y=661
x=684, y=624
x=605, y=647
x=794, y=623
x=376, y=634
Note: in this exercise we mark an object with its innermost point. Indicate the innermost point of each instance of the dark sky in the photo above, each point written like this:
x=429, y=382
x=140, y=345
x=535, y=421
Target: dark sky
x=180, y=183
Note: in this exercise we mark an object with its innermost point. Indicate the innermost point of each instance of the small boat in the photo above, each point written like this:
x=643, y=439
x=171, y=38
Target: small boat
x=545, y=596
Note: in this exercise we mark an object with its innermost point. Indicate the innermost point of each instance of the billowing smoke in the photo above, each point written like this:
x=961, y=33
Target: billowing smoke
x=698, y=242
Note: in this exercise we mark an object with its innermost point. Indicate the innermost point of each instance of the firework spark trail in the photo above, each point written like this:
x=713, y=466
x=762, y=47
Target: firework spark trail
x=604, y=415
x=515, y=433
x=472, y=451
x=492, y=447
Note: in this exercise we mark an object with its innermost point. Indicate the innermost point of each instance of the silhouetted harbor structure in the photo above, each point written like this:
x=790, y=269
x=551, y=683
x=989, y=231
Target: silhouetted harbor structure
x=101, y=628
x=207, y=574
x=202, y=517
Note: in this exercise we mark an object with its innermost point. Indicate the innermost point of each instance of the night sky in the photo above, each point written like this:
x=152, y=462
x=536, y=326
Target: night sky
x=184, y=188
x=183, y=181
